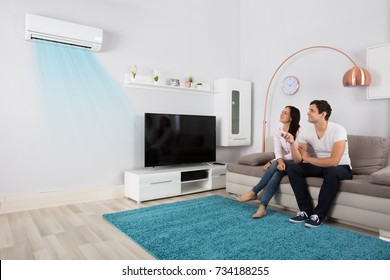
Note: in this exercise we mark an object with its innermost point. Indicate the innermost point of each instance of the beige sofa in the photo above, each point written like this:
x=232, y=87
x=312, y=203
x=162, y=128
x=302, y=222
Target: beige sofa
x=363, y=201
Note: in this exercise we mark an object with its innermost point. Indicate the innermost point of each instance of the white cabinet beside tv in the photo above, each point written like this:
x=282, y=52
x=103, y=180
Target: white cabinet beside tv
x=232, y=108
x=154, y=183
x=218, y=176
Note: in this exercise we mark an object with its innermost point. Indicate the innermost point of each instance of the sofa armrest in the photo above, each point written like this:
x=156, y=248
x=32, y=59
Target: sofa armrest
x=381, y=177
x=256, y=158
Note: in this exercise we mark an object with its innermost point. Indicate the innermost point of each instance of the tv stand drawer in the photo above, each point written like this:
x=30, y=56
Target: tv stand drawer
x=159, y=189
x=147, y=184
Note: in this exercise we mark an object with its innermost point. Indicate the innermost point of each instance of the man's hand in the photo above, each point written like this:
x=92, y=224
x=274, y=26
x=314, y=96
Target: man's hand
x=304, y=153
x=333, y=160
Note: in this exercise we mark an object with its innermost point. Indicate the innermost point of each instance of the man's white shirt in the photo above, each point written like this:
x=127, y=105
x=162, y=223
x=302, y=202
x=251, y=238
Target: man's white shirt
x=322, y=147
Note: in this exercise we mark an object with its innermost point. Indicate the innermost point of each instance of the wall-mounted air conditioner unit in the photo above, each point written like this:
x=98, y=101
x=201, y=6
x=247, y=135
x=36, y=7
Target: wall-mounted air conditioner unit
x=54, y=30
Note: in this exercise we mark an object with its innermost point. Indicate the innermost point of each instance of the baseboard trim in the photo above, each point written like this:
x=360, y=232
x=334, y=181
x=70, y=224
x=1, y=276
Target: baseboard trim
x=10, y=204
x=384, y=235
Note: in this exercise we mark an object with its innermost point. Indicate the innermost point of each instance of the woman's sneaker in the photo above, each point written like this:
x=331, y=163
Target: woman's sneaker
x=299, y=218
x=313, y=222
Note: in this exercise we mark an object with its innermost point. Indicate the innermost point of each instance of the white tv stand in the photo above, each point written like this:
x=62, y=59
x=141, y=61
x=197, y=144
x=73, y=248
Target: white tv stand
x=160, y=182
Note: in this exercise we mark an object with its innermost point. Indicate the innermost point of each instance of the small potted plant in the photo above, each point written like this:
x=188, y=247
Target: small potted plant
x=189, y=82
x=134, y=71
x=155, y=77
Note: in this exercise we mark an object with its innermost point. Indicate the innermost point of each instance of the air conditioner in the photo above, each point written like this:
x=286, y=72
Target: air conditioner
x=54, y=30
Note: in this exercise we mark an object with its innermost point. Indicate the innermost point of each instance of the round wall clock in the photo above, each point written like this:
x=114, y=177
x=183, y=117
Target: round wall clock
x=290, y=85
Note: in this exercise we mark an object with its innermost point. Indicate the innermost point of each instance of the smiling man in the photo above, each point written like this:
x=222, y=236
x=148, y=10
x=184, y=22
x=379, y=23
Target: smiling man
x=322, y=151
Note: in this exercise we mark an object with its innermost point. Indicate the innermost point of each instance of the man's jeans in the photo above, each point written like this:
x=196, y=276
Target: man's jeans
x=330, y=186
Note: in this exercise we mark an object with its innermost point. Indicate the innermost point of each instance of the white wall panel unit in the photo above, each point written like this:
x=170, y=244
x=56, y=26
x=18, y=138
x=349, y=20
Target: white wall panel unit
x=378, y=64
x=232, y=107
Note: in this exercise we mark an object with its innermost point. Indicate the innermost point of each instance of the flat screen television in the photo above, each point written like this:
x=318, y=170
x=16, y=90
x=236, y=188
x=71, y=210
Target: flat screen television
x=173, y=139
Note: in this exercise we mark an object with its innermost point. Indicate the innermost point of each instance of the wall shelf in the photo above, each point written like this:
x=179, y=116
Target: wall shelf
x=161, y=87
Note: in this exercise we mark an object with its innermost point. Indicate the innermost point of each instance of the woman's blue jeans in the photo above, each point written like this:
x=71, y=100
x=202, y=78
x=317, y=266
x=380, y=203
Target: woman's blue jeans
x=269, y=182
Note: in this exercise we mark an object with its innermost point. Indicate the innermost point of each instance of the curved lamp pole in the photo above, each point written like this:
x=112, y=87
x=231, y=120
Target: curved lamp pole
x=356, y=76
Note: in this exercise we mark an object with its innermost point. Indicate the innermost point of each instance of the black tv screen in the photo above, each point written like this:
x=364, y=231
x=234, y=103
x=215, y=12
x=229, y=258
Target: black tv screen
x=172, y=139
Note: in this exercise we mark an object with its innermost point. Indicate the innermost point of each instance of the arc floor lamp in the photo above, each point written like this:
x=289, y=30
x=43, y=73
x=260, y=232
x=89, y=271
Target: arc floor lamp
x=356, y=76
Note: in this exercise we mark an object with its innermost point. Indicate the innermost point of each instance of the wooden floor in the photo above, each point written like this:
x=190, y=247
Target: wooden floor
x=77, y=232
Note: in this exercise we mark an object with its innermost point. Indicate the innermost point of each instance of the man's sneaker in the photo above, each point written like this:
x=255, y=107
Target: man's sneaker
x=299, y=218
x=313, y=222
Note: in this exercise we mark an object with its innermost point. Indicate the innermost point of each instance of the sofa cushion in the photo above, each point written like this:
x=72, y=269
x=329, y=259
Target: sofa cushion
x=361, y=185
x=254, y=171
x=256, y=158
x=381, y=176
x=368, y=153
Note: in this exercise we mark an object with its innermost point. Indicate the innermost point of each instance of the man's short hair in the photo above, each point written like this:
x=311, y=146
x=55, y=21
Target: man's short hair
x=322, y=106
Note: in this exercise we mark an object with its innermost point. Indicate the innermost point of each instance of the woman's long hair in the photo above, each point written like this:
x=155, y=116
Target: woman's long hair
x=295, y=115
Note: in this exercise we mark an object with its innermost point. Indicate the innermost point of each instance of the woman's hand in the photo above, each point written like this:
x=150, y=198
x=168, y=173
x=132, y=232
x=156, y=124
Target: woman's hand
x=267, y=165
x=281, y=165
x=288, y=137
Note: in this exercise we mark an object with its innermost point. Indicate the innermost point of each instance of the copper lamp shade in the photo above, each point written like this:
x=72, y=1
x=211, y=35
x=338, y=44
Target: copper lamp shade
x=356, y=76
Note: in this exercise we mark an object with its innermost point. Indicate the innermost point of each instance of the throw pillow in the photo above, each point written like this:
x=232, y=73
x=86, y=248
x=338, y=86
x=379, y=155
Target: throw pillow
x=256, y=158
x=381, y=177
x=368, y=153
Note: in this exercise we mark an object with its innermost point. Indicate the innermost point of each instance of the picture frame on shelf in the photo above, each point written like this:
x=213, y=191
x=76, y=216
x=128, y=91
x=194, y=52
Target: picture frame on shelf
x=173, y=82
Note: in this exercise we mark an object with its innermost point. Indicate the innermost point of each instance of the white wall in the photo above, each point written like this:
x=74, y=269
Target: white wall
x=207, y=39
x=177, y=38
x=272, y=30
